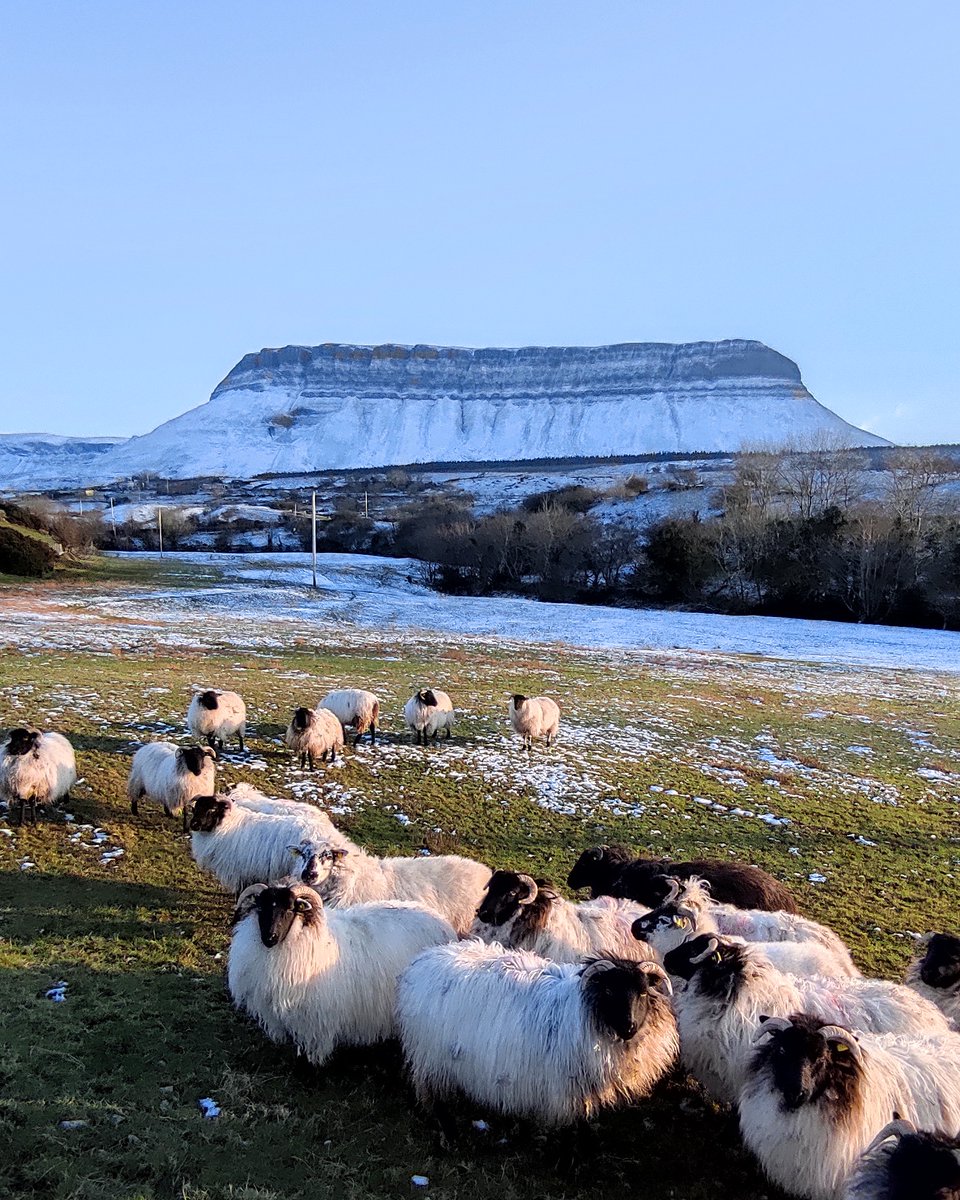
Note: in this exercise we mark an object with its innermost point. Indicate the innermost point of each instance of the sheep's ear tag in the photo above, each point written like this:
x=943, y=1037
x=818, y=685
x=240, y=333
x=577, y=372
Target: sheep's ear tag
x=717, y=956
x=841, y=1047
x=681, y=922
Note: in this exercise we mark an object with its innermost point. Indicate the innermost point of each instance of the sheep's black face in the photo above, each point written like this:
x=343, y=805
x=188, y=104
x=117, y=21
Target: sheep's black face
x=505, y=894
x=940, y=967
x=923, y=1165
x=208, y=813
x=597, y=868
x=303, y=718
x=802, y=1065
x=427, y=697
x=518, y=700
x=587, y=868
x=278, y=908
x=208, y=700
x=194, y=759
x=618, y=999
x=23, y=741
x=718, y=969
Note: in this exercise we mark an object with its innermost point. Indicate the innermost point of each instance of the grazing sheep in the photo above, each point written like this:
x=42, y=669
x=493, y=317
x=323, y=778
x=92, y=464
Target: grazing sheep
x=522, y=913
x=216, y=716
x=689, y=910
x=534, y=717
x=36, y=768
x=730, y=987
x=241, y=846
x=446, y=883
x=936, y=975
x=354, y=707
x=314, y=733
x=532, y=1038
x=427, y=712
x=173, y=776
x=324, y=978
x=904, y=1164
x=614, y=871
x=815, y=1095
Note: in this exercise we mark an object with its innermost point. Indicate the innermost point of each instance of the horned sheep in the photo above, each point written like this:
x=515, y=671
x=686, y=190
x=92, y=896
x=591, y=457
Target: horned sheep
x=902, y=1163
x=427, y=713
x=324, y=978
x=314, y=734
x=354, y=708
x=36, y=768
x=217, y=716
x=171, y=775
x=936, y=974
x=550, y=1041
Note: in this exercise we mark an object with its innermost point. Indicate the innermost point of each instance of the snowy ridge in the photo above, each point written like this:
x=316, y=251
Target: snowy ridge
x=48, y=459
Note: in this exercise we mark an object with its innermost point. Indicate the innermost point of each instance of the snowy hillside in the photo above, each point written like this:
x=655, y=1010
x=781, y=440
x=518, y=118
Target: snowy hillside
x=37, y=460
x=333, y=406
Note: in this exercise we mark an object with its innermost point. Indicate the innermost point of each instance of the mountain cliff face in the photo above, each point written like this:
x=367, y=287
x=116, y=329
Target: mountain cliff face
x=305, y=408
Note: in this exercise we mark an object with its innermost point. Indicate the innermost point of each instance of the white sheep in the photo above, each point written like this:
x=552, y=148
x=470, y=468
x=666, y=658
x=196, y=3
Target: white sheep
x=902, y=1163
x=36, y=768
x=936, y=974
x=689, y=909
x=216, y=716
x=247, y=796
x=354, y=708
x=534, y=717
x=428, y=712
x=241, y=846
x=447, y=883
x=730, y=987
x=522, y=913
x=314, y=734
x=171, y=775
x=532, y=1038
x=815, y=1095
x=324, y=978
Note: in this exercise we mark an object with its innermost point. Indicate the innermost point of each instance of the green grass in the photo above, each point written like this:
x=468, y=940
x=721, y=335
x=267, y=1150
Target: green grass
x=148, y=1029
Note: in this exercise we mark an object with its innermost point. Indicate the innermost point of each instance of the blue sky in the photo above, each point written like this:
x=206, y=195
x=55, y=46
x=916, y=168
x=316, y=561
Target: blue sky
x=184, y=183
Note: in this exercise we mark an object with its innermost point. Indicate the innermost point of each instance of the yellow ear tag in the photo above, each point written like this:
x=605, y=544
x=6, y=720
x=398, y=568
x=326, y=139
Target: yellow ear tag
x=681, y=922
x=717, y=957
x=842, y=1047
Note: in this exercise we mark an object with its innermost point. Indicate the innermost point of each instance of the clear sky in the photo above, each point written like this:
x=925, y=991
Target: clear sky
x=181, y=183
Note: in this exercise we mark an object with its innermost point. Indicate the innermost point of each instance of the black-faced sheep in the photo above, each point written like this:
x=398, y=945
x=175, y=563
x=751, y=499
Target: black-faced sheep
x=217, y=716
x=171, y=775
x=427, y=713
x=555, y=1042
x=534, y=717
x=815, y=1094
x=522, y=913
x=324, y=978
x=356, y=709
x=615, y=871
x=902, y=1163
x=36, y=768
x=314, y=733
x=936, y=974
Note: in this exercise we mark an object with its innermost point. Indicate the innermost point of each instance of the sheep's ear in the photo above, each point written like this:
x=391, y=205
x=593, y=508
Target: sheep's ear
x=528, y=891
x=338, y=855
x=296, y=852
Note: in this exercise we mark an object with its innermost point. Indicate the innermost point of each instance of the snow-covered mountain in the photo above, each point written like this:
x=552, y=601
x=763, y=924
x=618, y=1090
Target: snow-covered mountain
x=46, y=460
x=304, y=408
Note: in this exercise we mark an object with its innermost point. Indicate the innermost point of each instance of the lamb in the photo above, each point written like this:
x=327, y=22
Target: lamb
x=613, y=871
x=324, y=978
x=904, y=1164
x=936, y=975
x=522, y=913
x=427, y=712
x=550, y=1041
x=36, y=767
x=446, y=883
x=173, y=776
x=729, y=986
x=534, y=717
x=354, y=707
x=815, y=1095
x=216, y=716
x=690, y=910
x=314, y=733
x=241, y=846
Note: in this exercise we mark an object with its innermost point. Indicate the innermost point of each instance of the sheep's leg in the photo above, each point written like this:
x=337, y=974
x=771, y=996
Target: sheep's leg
x=448, y=734
x=303, y=760
x=240, y=740
x=373, y=733
x=310, y=759
x=186, y=826
x=333, y=754
x=134, y=806
x=23, y=806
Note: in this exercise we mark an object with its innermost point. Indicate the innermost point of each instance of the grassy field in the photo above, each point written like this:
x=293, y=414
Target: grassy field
x=849, y=775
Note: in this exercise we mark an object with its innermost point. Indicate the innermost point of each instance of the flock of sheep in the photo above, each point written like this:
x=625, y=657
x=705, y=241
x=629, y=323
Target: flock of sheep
x=502, y=991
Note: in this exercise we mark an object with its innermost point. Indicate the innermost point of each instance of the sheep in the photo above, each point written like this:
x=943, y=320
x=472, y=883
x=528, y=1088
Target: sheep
x=522, y=913
x=427, y=712
x=216, y=716
x=534, y=717
x=36, y=767
x=729, y=986
x=354, y=706
x=446, y=883
x=247, y=796
x=314, y=733
x=613, y=871
x=904, y=1164
x=936, y=975
x=324, y=978
x=523, y=1036
x=690, y=910
x=241, y=846
x=172, y=775
x=815, y=1095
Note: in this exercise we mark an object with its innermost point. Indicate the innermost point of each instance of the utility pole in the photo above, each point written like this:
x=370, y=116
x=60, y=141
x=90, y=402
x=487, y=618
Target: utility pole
x=113, y=521
x=314, y=537
x=366, y=510
x=160, y=528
